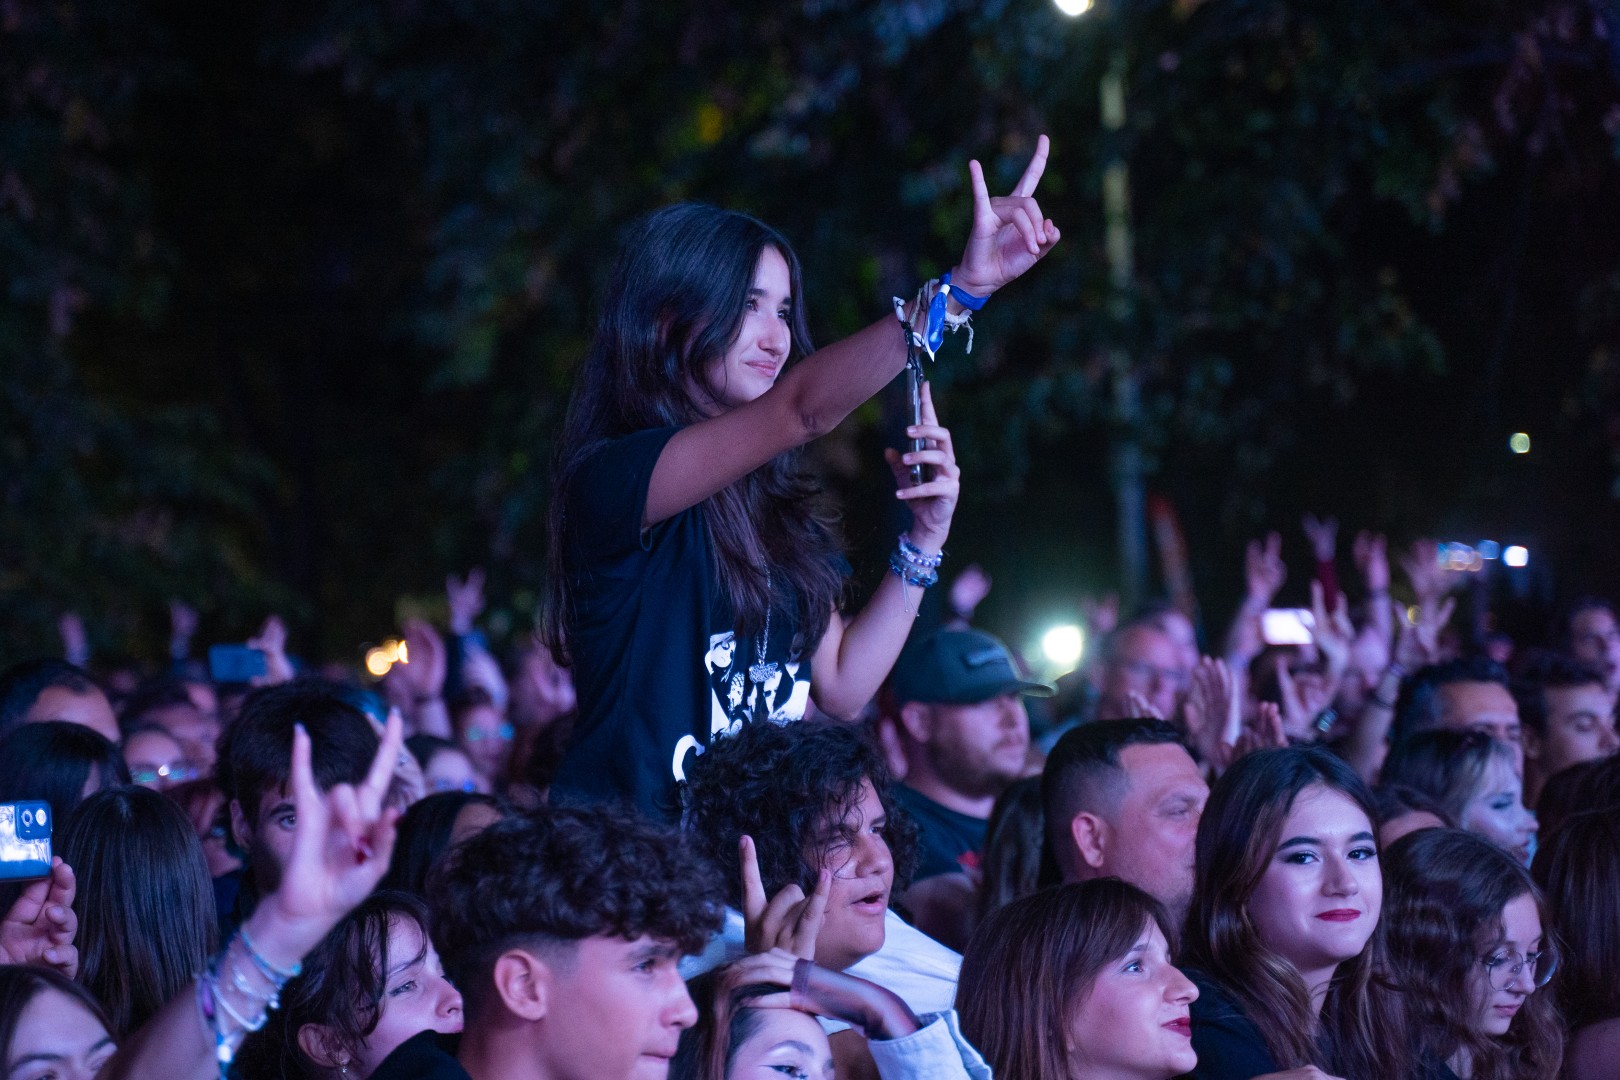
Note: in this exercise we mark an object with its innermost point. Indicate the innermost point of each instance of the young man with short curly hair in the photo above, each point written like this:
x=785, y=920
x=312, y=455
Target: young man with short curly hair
x=563, y=929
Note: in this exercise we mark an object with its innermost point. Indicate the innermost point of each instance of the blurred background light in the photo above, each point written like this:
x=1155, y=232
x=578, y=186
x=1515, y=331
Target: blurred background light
x=1519, y=443
x=1064, y=645
x=1516, y=556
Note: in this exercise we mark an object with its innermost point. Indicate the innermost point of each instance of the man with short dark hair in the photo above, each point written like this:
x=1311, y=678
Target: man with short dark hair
x=255, y=767
x=1461, y=695
x=48, y=689
x=1123, y=799
x=1589, y=632
x=563, y=929
x=1568, y=717
x=964, y=733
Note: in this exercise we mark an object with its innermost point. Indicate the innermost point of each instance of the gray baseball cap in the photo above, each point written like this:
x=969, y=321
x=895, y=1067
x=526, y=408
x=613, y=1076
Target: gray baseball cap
x=960, y=667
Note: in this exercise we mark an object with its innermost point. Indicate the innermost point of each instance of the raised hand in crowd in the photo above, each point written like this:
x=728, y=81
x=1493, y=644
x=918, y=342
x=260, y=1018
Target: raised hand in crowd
x=1100, y=614
x=1430, y=580
x=421, y=674
x=1264, y=573
x=183, y=622
x=341, y=846
x=38, y=930
x=1213, y=711
x=75, y=641
x=1323, y=534
x=788, y=921
x=465, y=599
x=272, y=641
x=968, y=590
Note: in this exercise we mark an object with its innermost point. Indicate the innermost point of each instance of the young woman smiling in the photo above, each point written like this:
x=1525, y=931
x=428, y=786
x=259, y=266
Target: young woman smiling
x=695, y=576
x=1076, y=983
x=1282, y=937
x=1470, y=947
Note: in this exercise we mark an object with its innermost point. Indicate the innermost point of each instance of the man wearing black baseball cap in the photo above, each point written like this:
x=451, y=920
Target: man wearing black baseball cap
x=959, y=710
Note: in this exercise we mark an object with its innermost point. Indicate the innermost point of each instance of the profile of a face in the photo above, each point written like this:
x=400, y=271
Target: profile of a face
x=1496, y=810
x=58, y=1037
x=1133, y=1021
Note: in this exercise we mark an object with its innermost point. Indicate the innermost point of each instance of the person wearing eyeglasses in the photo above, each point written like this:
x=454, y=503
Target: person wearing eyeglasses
x=485, y=735
x=1141, y=659
x=1471, y=947
x=156, y=759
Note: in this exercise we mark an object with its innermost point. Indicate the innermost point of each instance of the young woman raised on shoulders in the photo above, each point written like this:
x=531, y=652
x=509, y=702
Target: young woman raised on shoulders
x=695, y=579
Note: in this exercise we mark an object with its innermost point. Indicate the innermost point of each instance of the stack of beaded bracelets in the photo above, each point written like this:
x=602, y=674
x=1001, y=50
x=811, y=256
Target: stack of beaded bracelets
x=258, y=989
x=914, y=566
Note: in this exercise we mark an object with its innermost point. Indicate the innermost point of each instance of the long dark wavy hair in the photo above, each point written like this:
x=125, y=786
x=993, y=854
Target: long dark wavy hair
x=1447, y=889
x=674, y=304
x=1033, y=961
x=1578, y=869
x=1358, y=1032
x=342, y=986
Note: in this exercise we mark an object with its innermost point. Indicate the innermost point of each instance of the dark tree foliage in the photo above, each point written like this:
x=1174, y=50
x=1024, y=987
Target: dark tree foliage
x=344, y=258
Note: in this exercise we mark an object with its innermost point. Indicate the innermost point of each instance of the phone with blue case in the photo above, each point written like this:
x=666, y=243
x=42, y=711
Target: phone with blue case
x=25, y=840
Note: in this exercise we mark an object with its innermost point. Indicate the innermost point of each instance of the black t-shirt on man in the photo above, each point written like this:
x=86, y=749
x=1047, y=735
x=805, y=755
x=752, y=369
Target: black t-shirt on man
x=948, y=841
x=657, y=666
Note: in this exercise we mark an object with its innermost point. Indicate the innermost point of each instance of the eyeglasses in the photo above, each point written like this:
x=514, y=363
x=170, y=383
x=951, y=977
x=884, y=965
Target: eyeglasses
x=1143, y=670
x=177, y=773
x=1502, y=969
x=503, y=733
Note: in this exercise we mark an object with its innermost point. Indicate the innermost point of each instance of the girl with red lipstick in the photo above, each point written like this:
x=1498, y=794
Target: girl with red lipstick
x=1076, y=983
x=1282, y=937
x=696, y=577
x=1470, y=947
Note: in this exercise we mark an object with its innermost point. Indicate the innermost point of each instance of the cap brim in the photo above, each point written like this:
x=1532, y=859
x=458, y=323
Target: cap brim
x=1028, y=689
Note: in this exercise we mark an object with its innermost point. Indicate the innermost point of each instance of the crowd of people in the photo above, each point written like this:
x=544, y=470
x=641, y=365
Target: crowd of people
x=709, y=825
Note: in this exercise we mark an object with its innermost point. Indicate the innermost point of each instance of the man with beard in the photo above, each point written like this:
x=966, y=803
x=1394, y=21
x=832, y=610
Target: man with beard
x=964, y=734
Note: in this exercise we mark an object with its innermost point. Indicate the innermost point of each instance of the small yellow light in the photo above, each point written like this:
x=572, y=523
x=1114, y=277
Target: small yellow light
x=401, y=652
x=377, y=662
x=1519, y=443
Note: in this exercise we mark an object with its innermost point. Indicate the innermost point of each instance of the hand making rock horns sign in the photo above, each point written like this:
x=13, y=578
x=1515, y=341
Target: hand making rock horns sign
x=1010, y=234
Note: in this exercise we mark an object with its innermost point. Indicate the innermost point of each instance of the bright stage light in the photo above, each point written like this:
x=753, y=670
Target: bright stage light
x=1516, y=556
x=1064, y=645
x=1519, y=443
x=1072, y=8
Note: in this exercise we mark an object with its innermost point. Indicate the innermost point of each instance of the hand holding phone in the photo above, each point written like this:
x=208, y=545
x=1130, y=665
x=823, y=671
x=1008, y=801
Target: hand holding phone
x=236, y=663
x=25, y=840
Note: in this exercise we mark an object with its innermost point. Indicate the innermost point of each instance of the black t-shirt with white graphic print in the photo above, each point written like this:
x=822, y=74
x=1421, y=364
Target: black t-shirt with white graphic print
x=657, y=666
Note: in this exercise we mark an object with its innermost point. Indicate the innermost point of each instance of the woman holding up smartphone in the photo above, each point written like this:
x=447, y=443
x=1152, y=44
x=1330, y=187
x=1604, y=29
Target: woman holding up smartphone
x=695, y=578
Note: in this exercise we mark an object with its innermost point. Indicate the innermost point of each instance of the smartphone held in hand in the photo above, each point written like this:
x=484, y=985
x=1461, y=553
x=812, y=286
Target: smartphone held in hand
x=235, y=663
x=25, y=840
x=1287, y=626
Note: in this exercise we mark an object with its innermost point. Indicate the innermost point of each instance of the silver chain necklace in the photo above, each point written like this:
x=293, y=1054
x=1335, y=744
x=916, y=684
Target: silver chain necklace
x=760, y=671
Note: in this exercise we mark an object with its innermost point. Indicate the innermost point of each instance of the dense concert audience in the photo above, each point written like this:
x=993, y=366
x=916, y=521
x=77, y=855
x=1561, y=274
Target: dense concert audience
x=761, y=838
